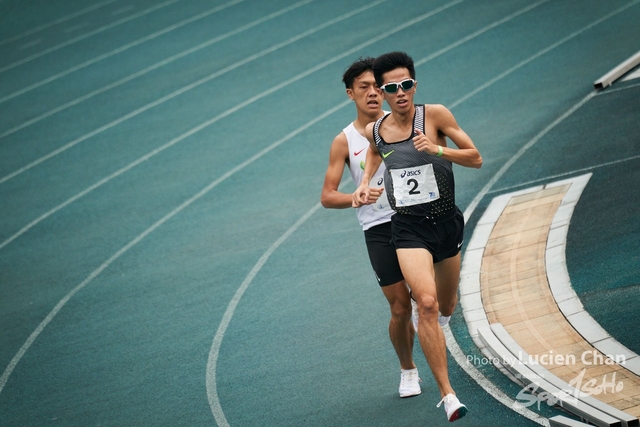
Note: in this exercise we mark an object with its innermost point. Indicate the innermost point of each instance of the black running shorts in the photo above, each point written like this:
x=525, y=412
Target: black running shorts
x=382, y=254
x=443, y=239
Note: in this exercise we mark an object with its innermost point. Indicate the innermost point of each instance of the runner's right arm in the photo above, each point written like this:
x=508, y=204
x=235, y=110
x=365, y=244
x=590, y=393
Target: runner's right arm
x=338, y=157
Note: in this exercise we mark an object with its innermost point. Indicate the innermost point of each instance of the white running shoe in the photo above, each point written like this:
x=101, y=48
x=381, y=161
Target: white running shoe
x=452, y=406
x=443, y=320
x=409, y=383
x=414, y=314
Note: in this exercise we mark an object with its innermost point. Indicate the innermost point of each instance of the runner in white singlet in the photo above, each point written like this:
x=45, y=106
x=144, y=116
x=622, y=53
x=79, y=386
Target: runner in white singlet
x=350, y=148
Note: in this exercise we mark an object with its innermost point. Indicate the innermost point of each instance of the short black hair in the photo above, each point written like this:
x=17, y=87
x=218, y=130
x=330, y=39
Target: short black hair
x=389, y=62
x=356, y=69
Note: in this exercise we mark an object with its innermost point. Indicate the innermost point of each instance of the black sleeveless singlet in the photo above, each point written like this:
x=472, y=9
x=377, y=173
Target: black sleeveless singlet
x=402, y=155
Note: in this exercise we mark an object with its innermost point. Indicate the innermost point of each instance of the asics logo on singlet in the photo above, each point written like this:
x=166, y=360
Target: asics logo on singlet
x=410, y=173
x=380, y=181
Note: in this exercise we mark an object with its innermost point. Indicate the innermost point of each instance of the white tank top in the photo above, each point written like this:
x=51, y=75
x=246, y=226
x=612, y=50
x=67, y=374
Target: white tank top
x=380, y=212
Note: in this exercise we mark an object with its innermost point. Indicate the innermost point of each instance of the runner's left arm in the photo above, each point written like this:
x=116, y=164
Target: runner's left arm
x=466, y=153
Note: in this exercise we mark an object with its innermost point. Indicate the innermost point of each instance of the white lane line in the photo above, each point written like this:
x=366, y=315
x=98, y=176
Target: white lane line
x=200, y=126
x=451, y=343
x=192, y=86
x=473, y=310
x=34, y=335
x=16, y=359
x=211, y=381
x=609, y=90
x=506, y=166
x=212, y=389
x=491, y=389
x=30, y=44
x=5, y=375
x=453, y=346
x=122, y=10
x=472, y=307
x=560, y=175
x=75, y=27
x=120, y=50
x=56, y=22
x=543, y=51
x=473, y=372
x=479, y=32
x=214, y=352
x=86, y=35
x=476, y=200
x=154, y=66
x=470, y=270
x=455, y=350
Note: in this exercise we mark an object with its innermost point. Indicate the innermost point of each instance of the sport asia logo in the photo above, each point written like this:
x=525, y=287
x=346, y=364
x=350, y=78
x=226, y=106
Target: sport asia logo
x=578, y=387
x=581, y=385
x=530, y=395
x=409, y=173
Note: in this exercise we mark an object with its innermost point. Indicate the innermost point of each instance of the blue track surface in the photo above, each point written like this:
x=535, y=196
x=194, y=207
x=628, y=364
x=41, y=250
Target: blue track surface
x=163, y=257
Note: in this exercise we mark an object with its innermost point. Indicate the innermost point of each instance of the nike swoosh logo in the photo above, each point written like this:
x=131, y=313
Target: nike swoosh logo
x=385, y=155
x=356, y=153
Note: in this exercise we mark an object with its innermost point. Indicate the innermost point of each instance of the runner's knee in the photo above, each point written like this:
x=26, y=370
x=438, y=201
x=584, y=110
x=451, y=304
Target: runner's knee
x=428, y=305
x=400, y=310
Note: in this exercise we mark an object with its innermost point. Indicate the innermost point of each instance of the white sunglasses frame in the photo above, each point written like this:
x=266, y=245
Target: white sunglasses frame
x=399, y=86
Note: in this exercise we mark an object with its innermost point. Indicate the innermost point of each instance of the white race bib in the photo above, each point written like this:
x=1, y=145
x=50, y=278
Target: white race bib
x=414, y=186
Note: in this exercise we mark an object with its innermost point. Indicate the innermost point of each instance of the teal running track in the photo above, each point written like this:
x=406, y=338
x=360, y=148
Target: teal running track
x=164, y=260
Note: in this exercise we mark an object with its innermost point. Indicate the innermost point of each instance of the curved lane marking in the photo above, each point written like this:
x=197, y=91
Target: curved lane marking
x=16, y=359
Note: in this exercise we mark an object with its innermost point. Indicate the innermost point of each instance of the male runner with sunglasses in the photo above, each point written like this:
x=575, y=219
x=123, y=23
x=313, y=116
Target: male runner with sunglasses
x=428, y=227
x=350, y=148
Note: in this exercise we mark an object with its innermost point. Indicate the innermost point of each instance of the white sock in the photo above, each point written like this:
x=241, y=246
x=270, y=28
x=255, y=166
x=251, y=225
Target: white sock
x=443, y=320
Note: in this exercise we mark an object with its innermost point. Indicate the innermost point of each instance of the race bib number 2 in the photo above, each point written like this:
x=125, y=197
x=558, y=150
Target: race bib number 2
x=414, y=186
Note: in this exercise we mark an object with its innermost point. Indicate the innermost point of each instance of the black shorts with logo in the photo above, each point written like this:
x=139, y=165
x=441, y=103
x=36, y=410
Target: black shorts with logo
x=442, y=238
x=382, y=254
